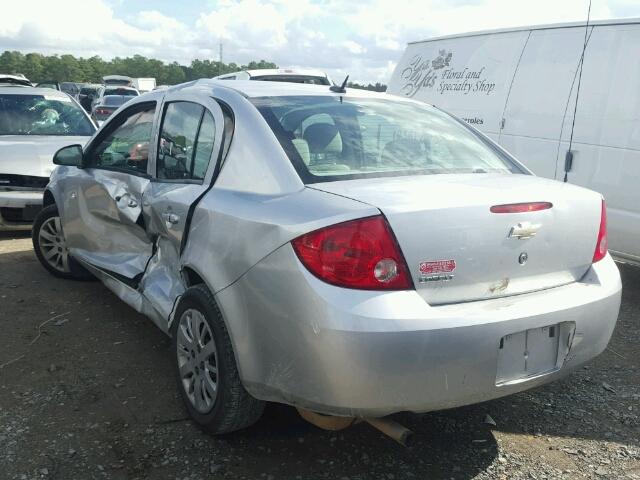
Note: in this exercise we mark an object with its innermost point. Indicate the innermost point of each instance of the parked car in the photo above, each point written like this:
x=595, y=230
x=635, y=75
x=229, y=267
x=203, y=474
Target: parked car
x=34, y=124
x=49, y=84
x=519, y=86
x=104, y=91
x=346, y=252
x=86, y=95
x=314, y=77
x=71, y=88
x=106, y=106
x=14, y=81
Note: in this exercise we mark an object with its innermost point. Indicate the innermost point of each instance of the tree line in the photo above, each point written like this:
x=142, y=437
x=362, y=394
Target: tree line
x=67, y=68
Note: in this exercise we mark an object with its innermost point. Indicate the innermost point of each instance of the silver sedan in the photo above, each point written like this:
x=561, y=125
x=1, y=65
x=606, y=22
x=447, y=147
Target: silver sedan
x=348, y=253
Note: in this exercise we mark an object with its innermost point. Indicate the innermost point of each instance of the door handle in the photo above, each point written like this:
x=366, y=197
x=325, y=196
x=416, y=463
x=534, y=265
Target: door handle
x=171, y=218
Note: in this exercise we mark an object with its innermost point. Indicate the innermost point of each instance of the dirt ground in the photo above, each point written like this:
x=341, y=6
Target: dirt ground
x=87, y=392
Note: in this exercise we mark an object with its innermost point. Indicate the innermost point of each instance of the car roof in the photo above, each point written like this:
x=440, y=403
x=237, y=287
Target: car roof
x=252, y=89
x=49, y=92
x=18, y=80
x=120, y=87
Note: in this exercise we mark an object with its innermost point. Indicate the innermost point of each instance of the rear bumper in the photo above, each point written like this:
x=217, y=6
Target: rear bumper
x=19, y=208
x=306, y=343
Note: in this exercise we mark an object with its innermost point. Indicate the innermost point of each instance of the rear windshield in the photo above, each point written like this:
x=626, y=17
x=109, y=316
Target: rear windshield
x=114, y=100
x=42, y=115
x=330, y=138
x=88, y=90
x=293, y=79
x=121, y=91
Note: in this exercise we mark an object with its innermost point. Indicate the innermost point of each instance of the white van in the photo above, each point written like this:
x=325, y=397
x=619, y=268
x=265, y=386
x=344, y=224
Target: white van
x=519, y=87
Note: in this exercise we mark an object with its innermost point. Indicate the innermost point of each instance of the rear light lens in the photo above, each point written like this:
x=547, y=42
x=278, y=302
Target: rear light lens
x=102, y=111
x=361, y=254
x=521, y=207
x=603, y=243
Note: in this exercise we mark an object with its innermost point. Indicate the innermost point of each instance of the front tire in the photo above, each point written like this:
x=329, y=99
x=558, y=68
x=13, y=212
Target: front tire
x=51, y=249
x=206, y=369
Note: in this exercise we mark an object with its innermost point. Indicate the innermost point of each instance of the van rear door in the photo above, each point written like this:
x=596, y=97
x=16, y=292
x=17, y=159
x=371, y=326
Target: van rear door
x=539, y=98
x=467, y=76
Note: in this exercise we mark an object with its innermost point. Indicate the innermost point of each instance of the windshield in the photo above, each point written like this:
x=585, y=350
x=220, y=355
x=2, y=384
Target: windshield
x=335, y=138
x=121, y=91
x=293, y=79
x=42, y=115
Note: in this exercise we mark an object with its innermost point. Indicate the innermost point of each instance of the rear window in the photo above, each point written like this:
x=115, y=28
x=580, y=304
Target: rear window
x=310, y=79
x=42, y=115
x=114, y=100
x=121, y=91
x=88, y=90
x=330, y=138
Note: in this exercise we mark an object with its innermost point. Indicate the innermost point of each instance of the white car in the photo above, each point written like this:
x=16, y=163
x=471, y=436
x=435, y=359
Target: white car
x=314, y=77
x=519, y=86
x=34, y=124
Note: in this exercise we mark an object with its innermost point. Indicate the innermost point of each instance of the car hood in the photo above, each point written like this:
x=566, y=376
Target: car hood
x=31, y=154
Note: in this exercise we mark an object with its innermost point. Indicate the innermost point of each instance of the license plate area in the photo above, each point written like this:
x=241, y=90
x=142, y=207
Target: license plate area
x=532, y=353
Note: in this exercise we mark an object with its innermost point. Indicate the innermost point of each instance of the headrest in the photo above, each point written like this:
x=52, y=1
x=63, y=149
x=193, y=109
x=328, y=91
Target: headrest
x=303, y=149
x=323, y=138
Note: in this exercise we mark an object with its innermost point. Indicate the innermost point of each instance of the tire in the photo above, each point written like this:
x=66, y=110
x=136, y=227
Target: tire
x=48, y=238
x=198, y=324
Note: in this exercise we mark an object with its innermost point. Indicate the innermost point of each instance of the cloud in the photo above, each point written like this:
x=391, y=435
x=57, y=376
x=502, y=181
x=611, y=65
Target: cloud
x=363, y=39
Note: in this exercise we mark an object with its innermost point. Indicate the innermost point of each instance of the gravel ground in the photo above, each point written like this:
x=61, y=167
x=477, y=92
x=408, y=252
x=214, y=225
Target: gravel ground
x=86, y=392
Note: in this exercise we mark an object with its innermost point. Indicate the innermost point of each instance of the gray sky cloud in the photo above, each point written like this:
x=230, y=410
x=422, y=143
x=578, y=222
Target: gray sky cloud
x=364, y=39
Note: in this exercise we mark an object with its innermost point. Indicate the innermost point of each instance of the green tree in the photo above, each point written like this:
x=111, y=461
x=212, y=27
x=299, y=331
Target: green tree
x=11, y=62
x=262, y=64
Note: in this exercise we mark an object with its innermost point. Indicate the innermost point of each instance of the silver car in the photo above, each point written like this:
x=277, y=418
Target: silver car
x=348, y=253
x=34, y=124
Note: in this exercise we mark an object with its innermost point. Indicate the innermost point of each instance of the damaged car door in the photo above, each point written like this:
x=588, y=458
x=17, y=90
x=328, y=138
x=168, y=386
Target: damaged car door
x=187, y=153
x=103, y=220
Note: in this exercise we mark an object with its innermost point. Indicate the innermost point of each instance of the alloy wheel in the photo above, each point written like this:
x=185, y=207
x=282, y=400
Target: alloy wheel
x=197, y=360
x=53, y=246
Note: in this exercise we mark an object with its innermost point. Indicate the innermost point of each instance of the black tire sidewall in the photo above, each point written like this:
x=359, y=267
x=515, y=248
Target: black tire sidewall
x=197, y=300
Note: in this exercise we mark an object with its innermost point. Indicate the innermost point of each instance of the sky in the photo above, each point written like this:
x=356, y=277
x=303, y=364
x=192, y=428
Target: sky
x=362, y=38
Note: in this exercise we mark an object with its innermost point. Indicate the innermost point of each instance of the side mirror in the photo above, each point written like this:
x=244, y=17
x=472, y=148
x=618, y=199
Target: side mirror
x=70, y=156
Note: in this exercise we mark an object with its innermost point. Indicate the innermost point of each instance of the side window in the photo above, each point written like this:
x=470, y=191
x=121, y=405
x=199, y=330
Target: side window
x=178, y=140
x=204, y=147
x=127, y=146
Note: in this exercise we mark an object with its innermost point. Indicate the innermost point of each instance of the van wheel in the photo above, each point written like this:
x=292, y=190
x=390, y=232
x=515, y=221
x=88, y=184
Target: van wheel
x=206, y=369
x=51, y=248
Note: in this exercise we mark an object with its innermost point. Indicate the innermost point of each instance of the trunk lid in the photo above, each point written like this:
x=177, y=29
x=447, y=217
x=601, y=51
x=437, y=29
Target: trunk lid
x=458, y=250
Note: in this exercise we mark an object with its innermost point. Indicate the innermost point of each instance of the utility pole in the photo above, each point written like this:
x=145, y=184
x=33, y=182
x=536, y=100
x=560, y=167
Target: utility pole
x=220, y=63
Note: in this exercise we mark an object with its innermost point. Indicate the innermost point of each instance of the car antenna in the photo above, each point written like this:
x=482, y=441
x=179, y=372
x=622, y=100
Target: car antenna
x=342, y=88
x=568, y=158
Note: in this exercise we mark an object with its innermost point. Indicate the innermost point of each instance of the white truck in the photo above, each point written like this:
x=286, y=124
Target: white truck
x=144, y=85
x=519, y=87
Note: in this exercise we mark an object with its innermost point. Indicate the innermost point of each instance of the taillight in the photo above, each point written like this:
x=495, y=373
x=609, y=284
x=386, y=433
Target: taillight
x=362, y=254
x=521, y=207
x=602, y=244
x=102, y=111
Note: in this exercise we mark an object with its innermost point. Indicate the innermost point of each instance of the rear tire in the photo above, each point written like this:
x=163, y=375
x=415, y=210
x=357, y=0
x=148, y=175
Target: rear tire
x=206, y=369
x=50, y=247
